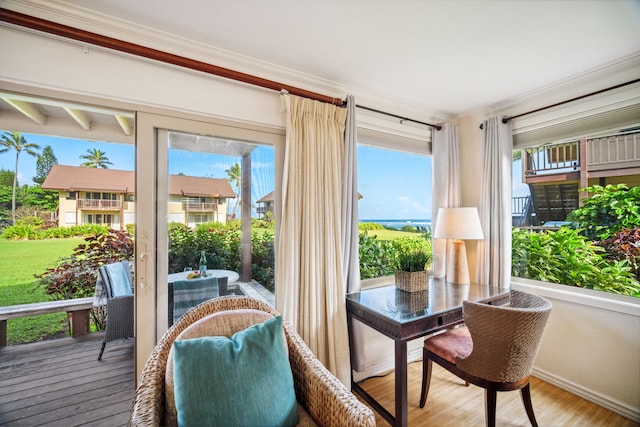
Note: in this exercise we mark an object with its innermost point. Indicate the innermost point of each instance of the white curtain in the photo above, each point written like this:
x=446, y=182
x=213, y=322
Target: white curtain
x=494, y=252
x=310, y=283
x=446, y=186
x=350, y=238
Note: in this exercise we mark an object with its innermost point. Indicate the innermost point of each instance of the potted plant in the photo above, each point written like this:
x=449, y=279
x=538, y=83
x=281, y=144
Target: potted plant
x=413, y=259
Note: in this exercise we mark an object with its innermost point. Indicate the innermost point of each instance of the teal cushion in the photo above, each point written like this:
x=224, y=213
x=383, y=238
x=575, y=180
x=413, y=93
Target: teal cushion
x=244, y=380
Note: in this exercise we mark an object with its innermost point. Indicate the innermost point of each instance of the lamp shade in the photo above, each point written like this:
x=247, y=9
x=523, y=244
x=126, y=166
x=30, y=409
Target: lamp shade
x=459, y=224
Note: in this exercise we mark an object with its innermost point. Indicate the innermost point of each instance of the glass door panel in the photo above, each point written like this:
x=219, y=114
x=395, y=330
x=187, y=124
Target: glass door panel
x=198, y=192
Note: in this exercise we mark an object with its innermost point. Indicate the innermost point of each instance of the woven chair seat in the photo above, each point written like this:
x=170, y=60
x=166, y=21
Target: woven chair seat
x=450, y=344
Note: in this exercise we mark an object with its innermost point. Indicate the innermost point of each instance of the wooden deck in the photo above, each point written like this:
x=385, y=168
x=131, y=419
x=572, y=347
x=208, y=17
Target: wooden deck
x=61, y=383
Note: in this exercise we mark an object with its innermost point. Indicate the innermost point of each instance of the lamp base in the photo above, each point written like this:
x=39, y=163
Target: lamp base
x=457, y=266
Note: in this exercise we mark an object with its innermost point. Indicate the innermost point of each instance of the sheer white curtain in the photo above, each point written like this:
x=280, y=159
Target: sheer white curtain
x=350, y=238
x=446, y=186
x=310, y=282
x=494, y=252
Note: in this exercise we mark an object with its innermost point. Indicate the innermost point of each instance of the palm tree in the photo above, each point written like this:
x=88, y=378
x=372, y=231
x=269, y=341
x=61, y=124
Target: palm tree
x=15, y=141
x=234, y=176
x=95, y=159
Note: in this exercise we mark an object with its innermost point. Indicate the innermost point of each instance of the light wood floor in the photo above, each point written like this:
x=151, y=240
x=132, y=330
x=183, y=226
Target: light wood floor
x=450, y=403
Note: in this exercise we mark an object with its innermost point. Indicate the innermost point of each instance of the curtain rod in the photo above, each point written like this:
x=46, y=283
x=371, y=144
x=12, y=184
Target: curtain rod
x=68, y=32
x=438, y=127
x=507, y=119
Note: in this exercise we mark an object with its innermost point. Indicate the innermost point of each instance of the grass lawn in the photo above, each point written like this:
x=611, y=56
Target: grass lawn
x=20, y=260
x=391, y=234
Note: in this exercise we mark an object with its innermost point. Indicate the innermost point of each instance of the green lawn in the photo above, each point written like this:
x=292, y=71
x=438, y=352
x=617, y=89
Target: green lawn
x=391, y=234
x=20, y=260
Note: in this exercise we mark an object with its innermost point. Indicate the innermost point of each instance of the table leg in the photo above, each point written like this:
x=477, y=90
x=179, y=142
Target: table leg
x=401, y=383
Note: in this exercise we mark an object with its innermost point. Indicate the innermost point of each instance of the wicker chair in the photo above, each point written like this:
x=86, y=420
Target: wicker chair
x=119, y=306
x=495, y=349
x=324, y=399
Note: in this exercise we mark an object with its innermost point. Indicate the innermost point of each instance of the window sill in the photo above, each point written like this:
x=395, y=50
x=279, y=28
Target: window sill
x=587, y=297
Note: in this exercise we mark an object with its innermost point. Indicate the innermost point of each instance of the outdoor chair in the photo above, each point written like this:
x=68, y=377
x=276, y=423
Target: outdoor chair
x=115, y=284
x=495, y=349
x=186, y=294
x=321, y=398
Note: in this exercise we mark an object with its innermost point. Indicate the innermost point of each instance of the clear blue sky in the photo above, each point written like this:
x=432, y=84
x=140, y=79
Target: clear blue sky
x=394, y=185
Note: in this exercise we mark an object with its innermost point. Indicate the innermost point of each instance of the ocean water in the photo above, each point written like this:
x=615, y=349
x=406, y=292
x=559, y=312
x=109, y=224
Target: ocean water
x=399, y=223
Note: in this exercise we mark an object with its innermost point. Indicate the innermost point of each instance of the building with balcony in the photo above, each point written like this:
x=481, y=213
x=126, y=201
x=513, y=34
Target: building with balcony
x=557, y=173
x=107, y=196
x=266, y=205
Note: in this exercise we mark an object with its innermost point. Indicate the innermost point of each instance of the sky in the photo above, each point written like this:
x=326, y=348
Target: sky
x=393, y=185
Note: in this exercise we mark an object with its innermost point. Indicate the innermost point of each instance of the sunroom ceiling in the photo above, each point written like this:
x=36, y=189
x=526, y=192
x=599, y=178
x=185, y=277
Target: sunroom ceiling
x=39, y=115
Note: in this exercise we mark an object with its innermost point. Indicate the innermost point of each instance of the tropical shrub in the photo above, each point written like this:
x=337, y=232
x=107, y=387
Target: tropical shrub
x=75, y=276
x=607, y=210
x=22, y=231
x=263, y=259
x=566, y=257
x=369, y=226
x=377, y=257
x=624, y=246
x=221, y=244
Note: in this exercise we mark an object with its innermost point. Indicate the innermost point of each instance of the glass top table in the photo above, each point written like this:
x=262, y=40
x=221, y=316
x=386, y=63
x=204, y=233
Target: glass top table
x=403, y=316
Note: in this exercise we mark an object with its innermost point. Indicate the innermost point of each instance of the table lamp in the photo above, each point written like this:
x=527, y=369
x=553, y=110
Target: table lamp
x=458, y=224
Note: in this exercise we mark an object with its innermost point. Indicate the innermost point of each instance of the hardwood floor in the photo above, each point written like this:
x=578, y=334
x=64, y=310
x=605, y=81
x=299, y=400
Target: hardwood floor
x=450, y=403
x=61, y=383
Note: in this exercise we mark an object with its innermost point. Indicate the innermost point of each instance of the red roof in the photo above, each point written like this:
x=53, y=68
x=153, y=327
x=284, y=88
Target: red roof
x=76, y=178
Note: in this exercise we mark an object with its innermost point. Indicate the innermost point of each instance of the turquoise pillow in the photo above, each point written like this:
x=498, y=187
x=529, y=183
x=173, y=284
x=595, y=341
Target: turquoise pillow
x=244, y=380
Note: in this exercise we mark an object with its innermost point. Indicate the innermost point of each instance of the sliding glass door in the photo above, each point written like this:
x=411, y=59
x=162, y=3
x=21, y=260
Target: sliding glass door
x=206, y=190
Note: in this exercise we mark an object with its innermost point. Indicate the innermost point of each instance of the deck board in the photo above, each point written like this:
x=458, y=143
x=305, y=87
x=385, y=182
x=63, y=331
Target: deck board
x=62, y=383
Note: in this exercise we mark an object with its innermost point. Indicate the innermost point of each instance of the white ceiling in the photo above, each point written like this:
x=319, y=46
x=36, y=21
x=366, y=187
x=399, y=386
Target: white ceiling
x=450, y=57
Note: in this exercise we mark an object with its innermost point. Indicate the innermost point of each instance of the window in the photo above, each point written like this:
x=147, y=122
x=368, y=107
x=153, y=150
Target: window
x=395, y=201
x=99, y=219
x=205, y=184
x=557, y=221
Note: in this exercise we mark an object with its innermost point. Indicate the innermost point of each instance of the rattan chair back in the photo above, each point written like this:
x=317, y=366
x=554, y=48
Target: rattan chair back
x=505, y=338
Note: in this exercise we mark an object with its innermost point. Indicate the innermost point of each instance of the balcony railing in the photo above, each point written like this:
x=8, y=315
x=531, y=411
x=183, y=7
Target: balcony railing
x=199, y=207
x=264, y=209
x=563, y=157
x=100, y=204
x=604, y=153
x=614, y=152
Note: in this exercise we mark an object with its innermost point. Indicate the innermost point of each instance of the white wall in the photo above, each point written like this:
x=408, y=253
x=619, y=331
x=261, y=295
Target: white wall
x=591, y=345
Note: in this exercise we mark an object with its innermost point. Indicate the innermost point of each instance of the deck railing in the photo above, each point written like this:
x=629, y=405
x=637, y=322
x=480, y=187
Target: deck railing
x=99, y=204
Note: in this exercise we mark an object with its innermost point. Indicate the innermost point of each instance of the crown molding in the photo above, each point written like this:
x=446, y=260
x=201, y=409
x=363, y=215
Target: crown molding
x=85, y=19
x=624, y=70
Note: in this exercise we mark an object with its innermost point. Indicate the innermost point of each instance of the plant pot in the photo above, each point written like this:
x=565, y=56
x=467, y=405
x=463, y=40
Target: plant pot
x=412, y=281
x=412, y=302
